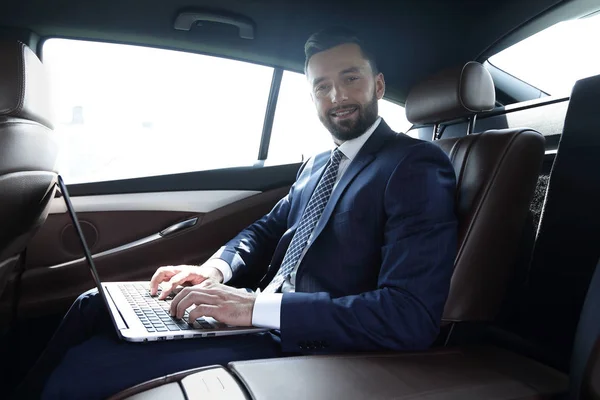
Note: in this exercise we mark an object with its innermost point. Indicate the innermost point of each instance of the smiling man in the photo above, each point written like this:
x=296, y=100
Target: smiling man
x=357, y=256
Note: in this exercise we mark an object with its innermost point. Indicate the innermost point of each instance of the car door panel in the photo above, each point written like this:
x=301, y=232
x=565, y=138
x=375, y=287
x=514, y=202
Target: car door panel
x=57, y=243
x=118, y=229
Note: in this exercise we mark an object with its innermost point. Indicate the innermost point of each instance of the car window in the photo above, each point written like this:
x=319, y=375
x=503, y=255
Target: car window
x=126, y=111
x=297, y=132
x=555, y=58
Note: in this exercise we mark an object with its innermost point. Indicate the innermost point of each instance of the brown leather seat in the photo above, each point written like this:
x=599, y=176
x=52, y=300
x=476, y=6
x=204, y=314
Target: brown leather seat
x=497, y=172
x=467, y=373
x=464, y=373
x=27, y=159
x=496, y=176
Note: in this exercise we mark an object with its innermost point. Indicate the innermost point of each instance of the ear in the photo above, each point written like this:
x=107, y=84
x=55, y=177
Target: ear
x=379, y=86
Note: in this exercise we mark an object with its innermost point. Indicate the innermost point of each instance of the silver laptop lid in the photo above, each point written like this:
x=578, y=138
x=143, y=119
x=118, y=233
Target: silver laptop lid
x=84, y=246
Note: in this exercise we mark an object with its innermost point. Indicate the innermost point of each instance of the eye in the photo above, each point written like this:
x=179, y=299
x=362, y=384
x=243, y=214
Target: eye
x=352, y=78
x=321, y=88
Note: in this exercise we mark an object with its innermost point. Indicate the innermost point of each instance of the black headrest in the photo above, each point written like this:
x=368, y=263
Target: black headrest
x=451, y=94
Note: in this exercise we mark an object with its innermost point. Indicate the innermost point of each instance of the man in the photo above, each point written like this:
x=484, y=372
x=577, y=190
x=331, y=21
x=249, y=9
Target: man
x=358, y=255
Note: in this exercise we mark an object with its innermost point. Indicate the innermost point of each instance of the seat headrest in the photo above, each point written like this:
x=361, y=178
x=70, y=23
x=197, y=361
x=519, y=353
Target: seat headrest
x=451, y=94
x=24, y=87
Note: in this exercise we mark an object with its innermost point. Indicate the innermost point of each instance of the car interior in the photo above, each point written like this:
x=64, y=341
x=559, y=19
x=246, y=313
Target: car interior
x=177, y=124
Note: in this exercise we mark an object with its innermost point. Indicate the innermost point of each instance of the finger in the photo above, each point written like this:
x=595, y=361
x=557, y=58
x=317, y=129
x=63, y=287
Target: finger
x=178, y=297
x=183, y=293
x=159, y=276
x=204, y=310
x=175, y=280
x=194, y=298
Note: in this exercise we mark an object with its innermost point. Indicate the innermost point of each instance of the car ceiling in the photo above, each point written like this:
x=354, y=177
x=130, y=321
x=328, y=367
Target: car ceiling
x=411, y=39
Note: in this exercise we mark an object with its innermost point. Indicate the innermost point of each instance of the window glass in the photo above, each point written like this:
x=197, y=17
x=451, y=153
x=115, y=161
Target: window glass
x=554, y=59
x=127, y=111
x=297, y=132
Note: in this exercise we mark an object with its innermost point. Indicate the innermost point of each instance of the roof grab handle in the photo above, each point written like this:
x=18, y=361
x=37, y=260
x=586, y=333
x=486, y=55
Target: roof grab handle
x=185, y=21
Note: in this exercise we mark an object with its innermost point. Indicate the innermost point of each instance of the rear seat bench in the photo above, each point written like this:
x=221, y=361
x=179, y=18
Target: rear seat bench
x=473, y=372
x=496, y=172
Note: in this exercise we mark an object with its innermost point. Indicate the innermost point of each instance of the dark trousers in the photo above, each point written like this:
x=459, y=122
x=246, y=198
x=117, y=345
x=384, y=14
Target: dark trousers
x=86, y=360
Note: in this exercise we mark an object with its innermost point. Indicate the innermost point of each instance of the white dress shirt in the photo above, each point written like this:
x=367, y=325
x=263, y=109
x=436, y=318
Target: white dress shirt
x=267, y=308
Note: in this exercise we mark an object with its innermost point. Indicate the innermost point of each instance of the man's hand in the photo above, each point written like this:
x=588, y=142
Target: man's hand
x=224, y=303
x=183, y=274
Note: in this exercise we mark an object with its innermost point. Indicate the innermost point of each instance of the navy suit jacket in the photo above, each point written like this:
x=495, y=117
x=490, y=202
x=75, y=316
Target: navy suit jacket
x=378, y=272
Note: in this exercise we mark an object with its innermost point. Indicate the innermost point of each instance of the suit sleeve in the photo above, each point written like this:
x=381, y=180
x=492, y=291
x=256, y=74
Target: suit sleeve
x=417, y=258
x=253, y=248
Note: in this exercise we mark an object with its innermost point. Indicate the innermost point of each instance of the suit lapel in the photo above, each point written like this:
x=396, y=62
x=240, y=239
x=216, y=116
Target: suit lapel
x=364, y=157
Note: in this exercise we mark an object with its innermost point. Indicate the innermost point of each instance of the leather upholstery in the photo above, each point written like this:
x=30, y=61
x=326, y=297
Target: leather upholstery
x=26, y=146
x=24, y=87
x=566, y=249
x=27, y=160
x=451, y=94
x=469, y=373
x=496, y=176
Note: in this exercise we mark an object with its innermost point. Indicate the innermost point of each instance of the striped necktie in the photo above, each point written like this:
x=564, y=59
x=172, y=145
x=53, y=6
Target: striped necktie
x=309, y=220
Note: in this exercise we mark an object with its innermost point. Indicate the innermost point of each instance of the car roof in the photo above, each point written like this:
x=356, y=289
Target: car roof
x=411, y=39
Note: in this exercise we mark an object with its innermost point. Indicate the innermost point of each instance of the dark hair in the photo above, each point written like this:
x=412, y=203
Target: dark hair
x=332, y=37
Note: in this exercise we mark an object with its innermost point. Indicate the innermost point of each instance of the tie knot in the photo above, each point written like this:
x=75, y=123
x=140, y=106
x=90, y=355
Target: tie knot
x=336, y=156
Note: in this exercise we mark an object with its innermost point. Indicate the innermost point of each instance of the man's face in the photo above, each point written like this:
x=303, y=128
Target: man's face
x=344, y=90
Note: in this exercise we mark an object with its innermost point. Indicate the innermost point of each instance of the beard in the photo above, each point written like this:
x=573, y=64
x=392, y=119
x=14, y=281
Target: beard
x=351, y=129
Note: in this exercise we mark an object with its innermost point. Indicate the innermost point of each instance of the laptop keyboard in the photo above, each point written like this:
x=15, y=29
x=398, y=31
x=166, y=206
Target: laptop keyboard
x=154, y=313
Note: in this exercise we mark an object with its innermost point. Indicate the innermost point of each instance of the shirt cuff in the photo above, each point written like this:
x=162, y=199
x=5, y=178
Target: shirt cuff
x=222, y=266
x=267, y=310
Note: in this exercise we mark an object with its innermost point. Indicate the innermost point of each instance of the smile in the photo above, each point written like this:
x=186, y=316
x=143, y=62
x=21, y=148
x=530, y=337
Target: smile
x=345, y=113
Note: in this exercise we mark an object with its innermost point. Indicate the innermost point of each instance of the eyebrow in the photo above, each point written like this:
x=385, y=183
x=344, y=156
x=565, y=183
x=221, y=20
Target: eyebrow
x=351, y=70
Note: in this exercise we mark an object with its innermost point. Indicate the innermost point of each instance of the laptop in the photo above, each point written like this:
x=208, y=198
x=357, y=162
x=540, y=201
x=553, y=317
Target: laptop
x=139, y=317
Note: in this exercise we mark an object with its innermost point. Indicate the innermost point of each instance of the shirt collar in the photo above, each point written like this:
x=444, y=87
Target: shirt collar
x=350, y=148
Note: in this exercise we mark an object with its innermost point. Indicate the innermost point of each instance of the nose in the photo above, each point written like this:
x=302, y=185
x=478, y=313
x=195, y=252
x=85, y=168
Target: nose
x=338, y=94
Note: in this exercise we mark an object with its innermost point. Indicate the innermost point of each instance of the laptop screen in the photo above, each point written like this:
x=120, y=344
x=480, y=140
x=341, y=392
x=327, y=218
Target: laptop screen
x=84, y=246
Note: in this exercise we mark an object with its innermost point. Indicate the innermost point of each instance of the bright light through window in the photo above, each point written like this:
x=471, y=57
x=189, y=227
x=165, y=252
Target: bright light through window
x=129, y=111
x=554, y=59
